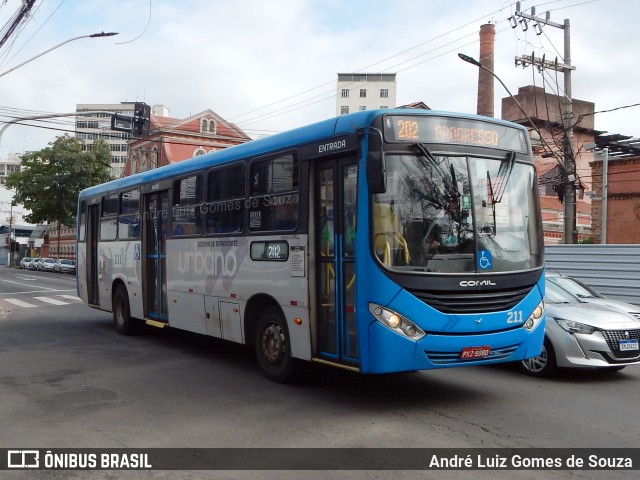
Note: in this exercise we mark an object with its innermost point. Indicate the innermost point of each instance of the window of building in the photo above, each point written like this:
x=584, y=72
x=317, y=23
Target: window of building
x=363, y=93
x=344, y=110
x=226, y=200
x=384, y=93
x=345, y=93
x=362, y=108
x=274, y=194
x=208, y=126
x=384, y=106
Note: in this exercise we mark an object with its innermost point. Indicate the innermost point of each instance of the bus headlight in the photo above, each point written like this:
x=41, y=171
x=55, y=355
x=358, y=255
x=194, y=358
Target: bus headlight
x=535, y=317
x=396, y=322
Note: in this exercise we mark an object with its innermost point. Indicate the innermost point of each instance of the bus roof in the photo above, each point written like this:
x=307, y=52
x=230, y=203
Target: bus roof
x=349, y=123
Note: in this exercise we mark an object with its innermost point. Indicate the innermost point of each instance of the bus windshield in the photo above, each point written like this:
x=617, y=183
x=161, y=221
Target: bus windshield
x=457, y=214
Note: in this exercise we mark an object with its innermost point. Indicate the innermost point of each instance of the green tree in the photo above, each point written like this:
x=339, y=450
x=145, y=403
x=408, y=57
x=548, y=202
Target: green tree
x=51, y=179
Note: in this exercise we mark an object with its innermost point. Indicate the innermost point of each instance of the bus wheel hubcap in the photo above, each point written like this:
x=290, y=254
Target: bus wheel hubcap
x=272, y=343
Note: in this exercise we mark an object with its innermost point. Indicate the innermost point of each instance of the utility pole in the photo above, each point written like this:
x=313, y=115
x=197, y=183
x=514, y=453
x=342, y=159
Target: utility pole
x=10, y=233
x=569, y=177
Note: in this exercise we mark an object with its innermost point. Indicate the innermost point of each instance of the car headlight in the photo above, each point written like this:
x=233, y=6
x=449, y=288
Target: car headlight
x=575, y=327
x=535, y=317
x=396, y=322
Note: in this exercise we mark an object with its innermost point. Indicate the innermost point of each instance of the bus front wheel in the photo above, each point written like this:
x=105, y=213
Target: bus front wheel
x=122, y=313
x=273, y=347
x=544, y=365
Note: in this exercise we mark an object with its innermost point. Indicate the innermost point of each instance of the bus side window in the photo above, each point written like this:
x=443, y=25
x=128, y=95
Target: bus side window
x=108, y=227
x=226, y=197
x=187, y=205
x=129, y=218
x=274, y=194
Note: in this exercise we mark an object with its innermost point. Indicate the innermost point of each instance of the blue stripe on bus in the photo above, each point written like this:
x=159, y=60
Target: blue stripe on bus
x=346, y=124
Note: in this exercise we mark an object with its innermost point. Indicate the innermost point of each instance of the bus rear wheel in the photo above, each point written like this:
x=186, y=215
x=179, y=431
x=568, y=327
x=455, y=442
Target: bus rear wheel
x=122, y=320
x=273, y=347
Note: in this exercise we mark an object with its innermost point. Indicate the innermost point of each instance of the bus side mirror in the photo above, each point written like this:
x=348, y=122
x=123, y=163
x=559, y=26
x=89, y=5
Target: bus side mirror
x=376, y=166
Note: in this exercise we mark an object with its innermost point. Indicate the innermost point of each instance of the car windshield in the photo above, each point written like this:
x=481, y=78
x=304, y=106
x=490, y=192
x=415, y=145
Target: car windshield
x=575, y=287
x=556, y=294
x=443, y=213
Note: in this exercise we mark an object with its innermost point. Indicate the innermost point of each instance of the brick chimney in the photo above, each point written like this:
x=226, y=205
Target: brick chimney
x=485, y=79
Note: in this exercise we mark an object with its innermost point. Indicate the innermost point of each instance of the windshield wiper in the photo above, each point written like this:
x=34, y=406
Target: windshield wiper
x=450, y=187
x=504, y=172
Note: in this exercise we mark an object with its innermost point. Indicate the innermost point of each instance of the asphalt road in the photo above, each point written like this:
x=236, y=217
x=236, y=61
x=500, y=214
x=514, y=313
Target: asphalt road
x=68, y=380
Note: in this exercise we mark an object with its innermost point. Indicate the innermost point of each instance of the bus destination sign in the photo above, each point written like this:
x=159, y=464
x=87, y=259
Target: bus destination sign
x=454, y=131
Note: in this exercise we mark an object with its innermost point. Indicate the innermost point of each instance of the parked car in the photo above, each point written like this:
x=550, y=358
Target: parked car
x=63, y=265
x=46, y=264
x=24, y=263
x=583, y=335
x=585, y=293
x=34, y=263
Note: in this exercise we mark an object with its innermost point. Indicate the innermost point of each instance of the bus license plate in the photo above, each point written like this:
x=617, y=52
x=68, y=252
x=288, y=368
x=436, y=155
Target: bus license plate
x=475, y=352
x=628, y=345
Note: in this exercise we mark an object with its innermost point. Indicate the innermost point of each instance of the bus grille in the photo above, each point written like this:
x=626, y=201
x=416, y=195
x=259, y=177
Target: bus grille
x=453, y=358
x=472, y=302
x=613, y=338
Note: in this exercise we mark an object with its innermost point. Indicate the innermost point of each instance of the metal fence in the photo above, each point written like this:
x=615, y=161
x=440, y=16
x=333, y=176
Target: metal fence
x=613, y=270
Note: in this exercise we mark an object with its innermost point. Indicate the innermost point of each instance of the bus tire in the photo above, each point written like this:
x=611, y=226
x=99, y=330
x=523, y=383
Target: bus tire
x=122, y=320
x=273, y=347
x=543, y=365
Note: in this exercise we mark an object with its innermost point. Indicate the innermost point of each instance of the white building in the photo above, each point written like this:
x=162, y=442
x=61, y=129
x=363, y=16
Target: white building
x=92, y=127
x=365, y=91
x=9, y=165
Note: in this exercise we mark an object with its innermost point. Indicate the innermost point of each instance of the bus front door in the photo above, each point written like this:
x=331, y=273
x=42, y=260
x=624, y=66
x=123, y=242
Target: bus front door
x=335, y=203
x=156, y=224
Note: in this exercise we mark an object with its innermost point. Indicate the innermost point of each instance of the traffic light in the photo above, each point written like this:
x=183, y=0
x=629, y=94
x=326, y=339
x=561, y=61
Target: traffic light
x=141, y=120
x=6, y=241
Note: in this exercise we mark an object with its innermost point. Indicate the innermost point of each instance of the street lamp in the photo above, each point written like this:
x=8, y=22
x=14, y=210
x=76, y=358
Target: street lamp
x=93, y=35
x=569, y=178
x=473, y=61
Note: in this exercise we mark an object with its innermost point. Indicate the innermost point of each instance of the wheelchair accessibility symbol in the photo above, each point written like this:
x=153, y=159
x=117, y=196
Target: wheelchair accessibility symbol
x=485, y=262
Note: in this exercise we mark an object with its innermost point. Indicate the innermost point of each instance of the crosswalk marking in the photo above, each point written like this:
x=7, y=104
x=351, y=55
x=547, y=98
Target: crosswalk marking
x=70, y=297
x=20, y=303
x=52, y=301
x=35, y=302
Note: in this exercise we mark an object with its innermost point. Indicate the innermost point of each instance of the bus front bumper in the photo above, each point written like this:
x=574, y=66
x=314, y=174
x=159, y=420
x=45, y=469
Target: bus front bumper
x=390, y=352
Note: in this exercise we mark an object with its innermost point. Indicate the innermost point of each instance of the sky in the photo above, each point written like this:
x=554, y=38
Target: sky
x=272, y=66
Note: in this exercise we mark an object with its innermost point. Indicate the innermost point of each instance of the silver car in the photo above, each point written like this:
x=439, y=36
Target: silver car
x=584, y=335
x=585, y=293
x=34, y=263
x=46, y=264
x=24, y=263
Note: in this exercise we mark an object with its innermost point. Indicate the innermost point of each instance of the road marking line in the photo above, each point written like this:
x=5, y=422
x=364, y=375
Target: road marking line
x=19, y=303
x=26, y=284
x=70, y=297
x=52, y=301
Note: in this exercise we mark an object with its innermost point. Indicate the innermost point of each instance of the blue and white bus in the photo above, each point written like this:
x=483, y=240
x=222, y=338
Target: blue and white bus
x=380, y=241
